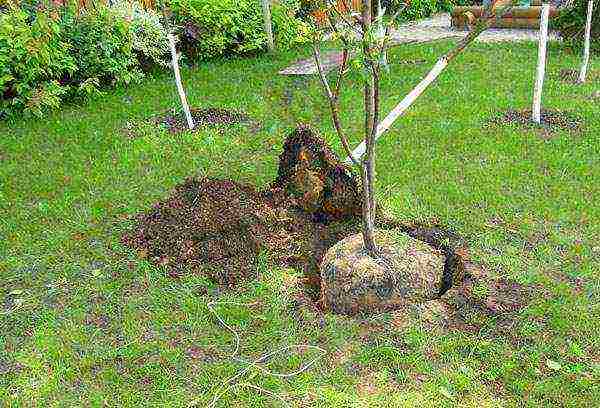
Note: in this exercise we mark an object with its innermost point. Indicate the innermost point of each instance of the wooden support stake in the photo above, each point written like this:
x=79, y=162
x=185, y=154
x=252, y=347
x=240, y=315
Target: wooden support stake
x=586, y=48
x=541, y=67
x=435, y=72
x=175, y=62
x=266, y=6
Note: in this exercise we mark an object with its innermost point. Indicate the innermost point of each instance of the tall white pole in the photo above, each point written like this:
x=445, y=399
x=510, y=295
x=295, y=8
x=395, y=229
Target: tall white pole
x=381, y=31
x=266, y=6
x=175, y=61
x=541, y=67
x=586, y=49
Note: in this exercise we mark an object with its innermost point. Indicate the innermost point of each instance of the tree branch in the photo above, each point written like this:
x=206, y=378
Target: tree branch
x=334, y=98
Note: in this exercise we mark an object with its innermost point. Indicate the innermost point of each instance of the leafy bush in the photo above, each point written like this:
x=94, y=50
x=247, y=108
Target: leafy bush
x=571, y=23
x=212, y=28
x=102, y=46
x=33, y=56
x=51, y=54
x=150, y=42
x=419, y=9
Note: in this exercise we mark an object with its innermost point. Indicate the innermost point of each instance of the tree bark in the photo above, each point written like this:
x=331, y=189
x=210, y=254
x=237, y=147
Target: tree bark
x=541, y=67
x=180, y=89
x=586, y=49
x=368, y=162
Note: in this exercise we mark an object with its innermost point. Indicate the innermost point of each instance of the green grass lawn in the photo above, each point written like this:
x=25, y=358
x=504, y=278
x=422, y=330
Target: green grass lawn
x=85, y=322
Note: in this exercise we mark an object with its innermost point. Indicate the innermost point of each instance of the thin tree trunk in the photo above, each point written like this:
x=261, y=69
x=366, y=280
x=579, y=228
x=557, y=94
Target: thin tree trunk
x=586, y=49
x=435, y=72
x=180, y=89
x=266, y=6
x=541, y=67
x=368, y=163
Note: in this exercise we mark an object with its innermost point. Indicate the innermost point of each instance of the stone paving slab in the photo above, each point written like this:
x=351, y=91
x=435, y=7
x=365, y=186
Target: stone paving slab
x=329, y=61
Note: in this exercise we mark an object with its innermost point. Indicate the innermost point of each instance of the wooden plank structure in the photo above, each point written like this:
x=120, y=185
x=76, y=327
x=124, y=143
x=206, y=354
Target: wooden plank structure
x=518, y=17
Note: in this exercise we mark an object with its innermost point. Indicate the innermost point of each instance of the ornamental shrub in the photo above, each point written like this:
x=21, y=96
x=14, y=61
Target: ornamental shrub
x=52, y=51
x=212, y=28
x=33, y=57
x=102, y=46
x=149, y=36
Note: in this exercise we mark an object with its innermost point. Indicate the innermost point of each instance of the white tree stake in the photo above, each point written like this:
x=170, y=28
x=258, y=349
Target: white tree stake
x=541, y=67
x=435, y=72
x=586, y=50
x=381, y=30
x=175, y=61
x=266, y=6
x=399, y=110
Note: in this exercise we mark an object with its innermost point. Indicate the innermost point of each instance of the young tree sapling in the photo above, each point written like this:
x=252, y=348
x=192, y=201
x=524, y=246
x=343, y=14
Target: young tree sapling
x=360, y=35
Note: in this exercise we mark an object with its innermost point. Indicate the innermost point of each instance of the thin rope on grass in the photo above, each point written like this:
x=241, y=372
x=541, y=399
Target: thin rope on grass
x=229, y=384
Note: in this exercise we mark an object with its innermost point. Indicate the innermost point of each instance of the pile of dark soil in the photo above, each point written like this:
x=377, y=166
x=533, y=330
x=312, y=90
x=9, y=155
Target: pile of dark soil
x=219, y=228
x=176, y=122
x=552, y=121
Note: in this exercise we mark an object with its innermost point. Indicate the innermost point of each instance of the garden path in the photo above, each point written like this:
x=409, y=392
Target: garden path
x=436, y=28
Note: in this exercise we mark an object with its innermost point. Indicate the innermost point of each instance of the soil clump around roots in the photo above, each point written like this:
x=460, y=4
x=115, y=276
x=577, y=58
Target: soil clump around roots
x=222, y=228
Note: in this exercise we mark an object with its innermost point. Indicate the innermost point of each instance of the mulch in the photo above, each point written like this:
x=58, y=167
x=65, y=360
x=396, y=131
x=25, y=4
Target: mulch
x=552, y=121
x=176, y=122
x=571, y=76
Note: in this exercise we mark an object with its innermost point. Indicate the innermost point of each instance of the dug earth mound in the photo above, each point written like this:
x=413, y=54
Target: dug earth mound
x=224, y=229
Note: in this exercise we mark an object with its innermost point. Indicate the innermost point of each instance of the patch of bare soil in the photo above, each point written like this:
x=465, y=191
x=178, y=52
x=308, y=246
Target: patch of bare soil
x=552, y=121
x=477, y=301
x=176, y=121
x=221, y=228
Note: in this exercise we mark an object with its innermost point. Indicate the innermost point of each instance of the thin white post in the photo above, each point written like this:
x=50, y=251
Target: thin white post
x=381, y=31
x=586, y=48
x=266, y=6
x=541, y=67
x=175, y=63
